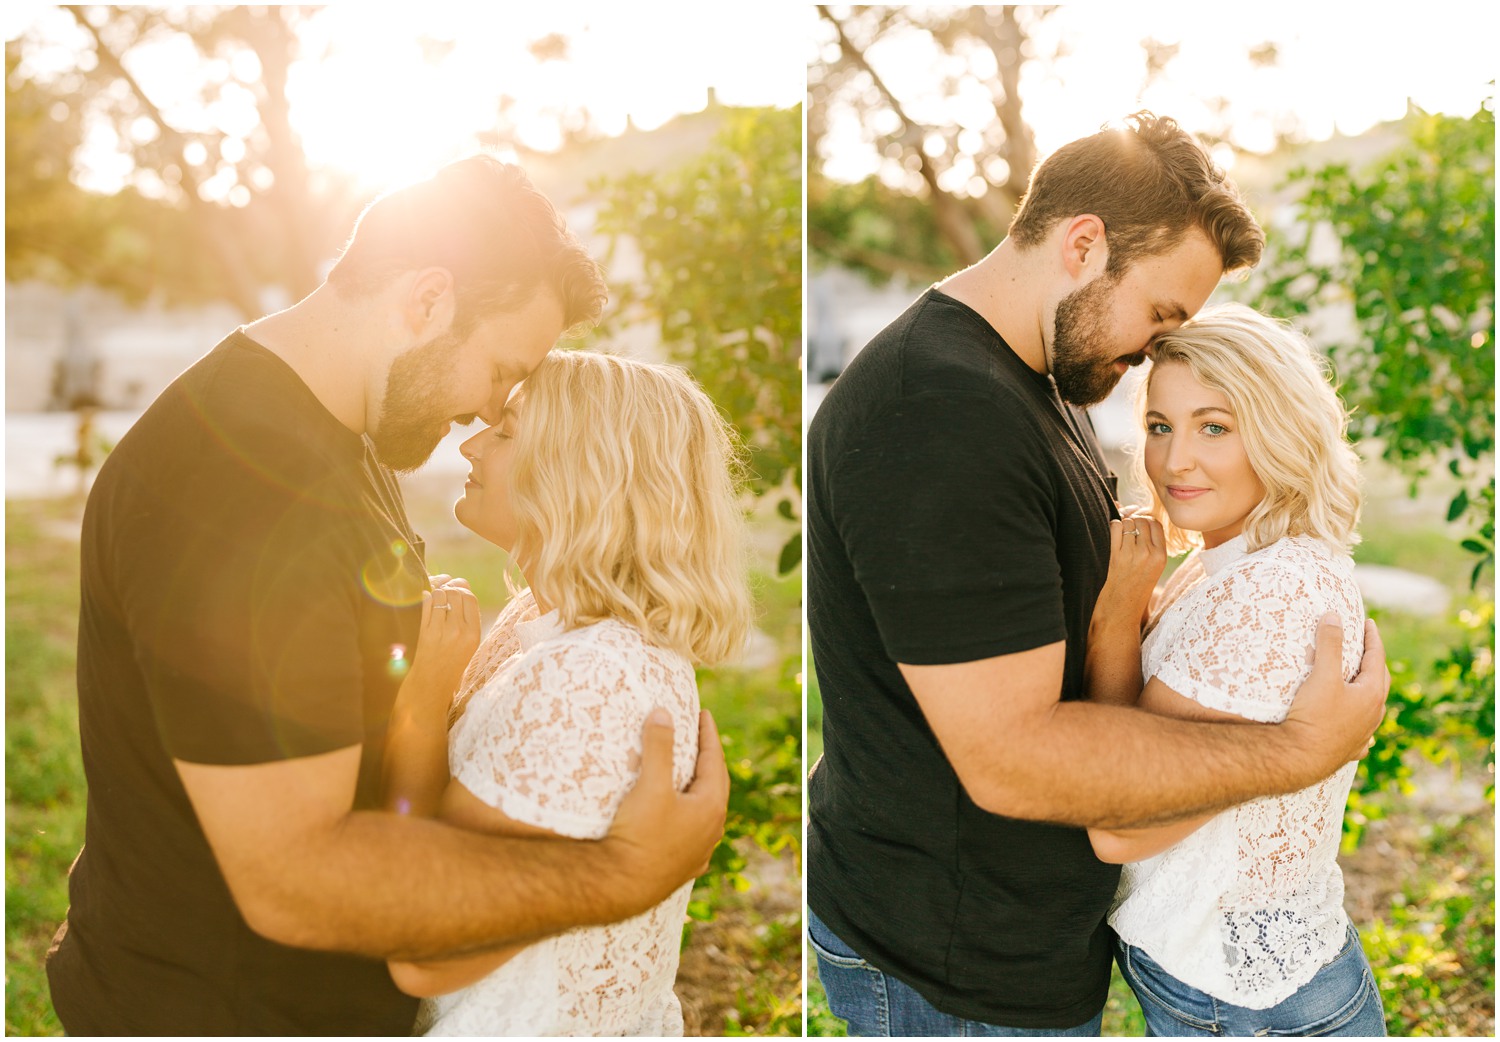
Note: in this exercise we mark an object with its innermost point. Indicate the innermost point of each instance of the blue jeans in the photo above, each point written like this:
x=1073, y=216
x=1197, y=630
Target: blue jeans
x=1341, y=999
x=875, y=1003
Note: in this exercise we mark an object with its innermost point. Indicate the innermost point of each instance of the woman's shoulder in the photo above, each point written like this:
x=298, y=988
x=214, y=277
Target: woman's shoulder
x=1302, y=569
x=1295, y=556
x=613, y=645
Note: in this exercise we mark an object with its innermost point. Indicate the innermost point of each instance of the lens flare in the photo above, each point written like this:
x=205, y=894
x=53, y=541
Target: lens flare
x=387, y=579
x=398, y=663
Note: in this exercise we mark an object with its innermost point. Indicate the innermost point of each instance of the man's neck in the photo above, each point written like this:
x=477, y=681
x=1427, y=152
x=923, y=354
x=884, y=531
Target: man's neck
x=325, y=340
x=1004, y=288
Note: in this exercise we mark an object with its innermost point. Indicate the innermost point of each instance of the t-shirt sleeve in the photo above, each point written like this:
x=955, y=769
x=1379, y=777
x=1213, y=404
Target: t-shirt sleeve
x=1249, y=648
x=945, y=507
x=561, y=747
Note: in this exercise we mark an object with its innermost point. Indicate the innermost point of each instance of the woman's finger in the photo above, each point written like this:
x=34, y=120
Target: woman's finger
x=442, y=607
x=467, y=607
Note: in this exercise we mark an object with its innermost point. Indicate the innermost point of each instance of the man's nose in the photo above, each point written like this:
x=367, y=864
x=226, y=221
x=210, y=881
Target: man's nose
x=490, y=414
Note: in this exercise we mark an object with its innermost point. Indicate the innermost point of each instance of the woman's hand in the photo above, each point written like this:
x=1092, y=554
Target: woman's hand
x=447, y=639
x=1137, y=557
x=416, y=748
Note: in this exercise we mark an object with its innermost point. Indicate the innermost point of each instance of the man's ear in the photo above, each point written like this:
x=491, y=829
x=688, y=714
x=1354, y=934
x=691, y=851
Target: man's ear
x=430, y=304
x=1085, y=250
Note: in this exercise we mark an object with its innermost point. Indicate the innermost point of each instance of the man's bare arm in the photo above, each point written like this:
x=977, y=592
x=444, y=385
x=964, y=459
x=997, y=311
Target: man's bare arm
x=307, y=871
x=1020, y=752
x=1119, y=846
x=427, y=977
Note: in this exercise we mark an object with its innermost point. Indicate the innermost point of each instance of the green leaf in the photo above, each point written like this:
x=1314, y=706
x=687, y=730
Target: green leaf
x=791, y=555
x=1458, y=506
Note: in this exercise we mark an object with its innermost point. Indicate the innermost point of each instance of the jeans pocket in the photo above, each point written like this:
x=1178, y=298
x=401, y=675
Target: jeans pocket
x=1363, y=1005
x=1155, y=985
x=828, y=946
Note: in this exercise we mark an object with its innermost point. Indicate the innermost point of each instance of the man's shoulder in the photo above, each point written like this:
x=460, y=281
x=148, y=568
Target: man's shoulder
x=937, y=355
x=238, y=414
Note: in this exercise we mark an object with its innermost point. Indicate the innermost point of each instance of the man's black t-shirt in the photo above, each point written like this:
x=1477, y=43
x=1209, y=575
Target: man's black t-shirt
x=249, y=592
x=958, y=510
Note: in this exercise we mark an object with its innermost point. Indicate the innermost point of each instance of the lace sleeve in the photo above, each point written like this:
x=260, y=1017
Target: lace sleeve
x=561, y=746
x=1248, y=647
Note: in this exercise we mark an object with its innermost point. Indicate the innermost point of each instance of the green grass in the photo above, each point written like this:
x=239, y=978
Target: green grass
x=44, y=786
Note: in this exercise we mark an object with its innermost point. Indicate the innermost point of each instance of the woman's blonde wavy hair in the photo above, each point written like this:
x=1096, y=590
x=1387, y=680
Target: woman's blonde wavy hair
x=624, y=485
x=1290, y=417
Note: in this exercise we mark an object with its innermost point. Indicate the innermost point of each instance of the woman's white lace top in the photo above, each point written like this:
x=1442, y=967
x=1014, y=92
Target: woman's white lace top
x=1249, y=906
x=551, y=736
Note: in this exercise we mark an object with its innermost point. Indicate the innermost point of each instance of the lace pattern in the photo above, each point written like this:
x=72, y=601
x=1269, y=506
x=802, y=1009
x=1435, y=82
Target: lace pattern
x=550, y=735
x=1249, y=906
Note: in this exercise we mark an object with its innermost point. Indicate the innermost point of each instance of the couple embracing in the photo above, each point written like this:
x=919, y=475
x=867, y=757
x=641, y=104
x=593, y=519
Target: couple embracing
x=1037, y=762
x=316, y=792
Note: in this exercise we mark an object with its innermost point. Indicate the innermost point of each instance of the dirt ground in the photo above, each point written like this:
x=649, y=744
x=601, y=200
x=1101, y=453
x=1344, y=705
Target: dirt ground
x=743, y=970
x=1383, y=863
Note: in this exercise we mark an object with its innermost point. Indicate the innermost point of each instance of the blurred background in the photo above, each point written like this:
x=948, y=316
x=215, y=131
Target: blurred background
x=172, y=172
x=1364, y=141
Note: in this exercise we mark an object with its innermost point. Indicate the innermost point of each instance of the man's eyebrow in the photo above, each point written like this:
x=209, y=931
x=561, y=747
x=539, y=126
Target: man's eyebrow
x=1172, y=309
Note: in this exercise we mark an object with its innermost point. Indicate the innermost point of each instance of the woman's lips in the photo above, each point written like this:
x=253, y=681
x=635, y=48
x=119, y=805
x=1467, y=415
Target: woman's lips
x=1185, y=492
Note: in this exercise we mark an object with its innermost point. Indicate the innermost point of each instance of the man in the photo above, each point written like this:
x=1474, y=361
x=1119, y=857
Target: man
x=958, y=537
x=250, y=602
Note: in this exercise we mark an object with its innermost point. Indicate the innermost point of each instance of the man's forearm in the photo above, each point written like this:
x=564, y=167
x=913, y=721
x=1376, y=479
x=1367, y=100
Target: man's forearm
x=1115, y=767
x=397, y=887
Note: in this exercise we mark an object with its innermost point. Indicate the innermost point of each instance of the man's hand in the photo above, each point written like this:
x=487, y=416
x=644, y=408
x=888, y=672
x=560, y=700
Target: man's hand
x=1333, y=721
x=663, y=837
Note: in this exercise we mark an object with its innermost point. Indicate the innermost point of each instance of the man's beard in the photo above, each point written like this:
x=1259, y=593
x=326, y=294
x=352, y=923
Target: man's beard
x=412, y=414
x=1083, y=376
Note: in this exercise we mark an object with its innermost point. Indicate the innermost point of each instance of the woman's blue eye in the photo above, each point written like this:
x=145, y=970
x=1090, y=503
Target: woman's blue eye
x=1158, y=428
x=1213, y=430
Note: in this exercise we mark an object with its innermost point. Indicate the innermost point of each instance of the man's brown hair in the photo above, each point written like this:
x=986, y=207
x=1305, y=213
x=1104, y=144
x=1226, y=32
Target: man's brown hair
x=1149, y=182
x=484, y=222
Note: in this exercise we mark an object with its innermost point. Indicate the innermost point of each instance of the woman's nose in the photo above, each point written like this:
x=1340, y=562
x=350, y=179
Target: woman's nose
x=1179, y=456
x=470, y=448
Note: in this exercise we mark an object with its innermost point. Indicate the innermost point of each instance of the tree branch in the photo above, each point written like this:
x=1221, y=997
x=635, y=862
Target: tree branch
x=241, y=289
x=948, y=213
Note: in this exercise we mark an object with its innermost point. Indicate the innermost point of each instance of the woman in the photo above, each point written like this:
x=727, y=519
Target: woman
x=1233, y=923
x=611, y=484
